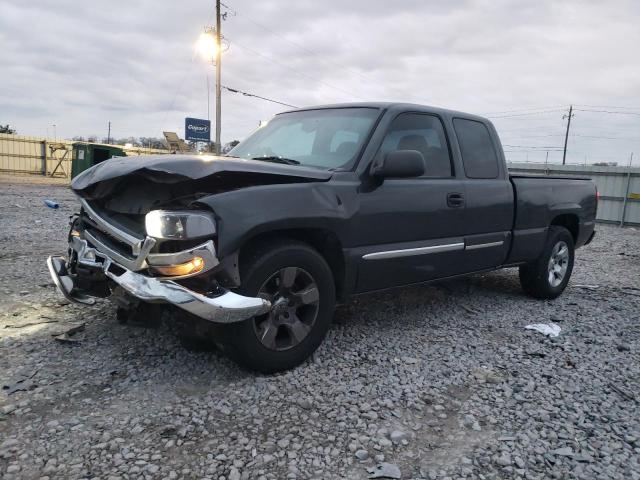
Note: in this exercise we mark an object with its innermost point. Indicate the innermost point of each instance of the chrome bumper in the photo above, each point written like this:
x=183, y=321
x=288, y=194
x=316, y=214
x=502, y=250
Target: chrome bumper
x=228, y=307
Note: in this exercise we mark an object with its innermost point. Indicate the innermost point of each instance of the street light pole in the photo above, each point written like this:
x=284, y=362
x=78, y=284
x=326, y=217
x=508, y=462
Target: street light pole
x=218, y=77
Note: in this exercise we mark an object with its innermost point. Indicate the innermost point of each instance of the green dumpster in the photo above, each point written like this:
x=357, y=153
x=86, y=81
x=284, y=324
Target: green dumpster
x=86, y=155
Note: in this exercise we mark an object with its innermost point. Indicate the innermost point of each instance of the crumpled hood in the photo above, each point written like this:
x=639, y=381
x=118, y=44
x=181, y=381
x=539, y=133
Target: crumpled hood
x=178, y=168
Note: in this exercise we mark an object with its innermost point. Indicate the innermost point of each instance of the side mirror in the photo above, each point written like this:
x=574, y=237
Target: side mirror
x=400, y=164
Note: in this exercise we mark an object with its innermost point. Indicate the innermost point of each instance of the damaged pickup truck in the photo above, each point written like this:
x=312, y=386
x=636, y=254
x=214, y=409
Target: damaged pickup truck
x=319, y=204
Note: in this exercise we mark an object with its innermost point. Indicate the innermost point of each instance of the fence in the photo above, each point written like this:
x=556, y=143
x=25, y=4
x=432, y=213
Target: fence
x=619, y=188
x=22, y=155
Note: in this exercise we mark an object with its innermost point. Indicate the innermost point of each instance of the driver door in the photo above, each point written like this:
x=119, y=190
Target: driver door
x=412, y=228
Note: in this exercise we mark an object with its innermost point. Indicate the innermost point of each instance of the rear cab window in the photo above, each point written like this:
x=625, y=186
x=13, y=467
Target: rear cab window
x=479, y=156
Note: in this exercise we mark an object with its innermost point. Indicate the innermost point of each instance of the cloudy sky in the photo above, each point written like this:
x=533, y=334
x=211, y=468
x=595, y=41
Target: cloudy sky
x=80, y=64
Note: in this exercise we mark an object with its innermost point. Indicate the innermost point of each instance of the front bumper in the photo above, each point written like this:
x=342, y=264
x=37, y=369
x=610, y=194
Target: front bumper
x=226, y=307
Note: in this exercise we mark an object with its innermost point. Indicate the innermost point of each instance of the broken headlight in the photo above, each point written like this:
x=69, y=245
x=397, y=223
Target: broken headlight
x=175, y=225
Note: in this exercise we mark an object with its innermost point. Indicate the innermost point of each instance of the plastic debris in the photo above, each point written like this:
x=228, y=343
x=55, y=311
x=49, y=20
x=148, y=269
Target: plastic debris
x=384, y=470
x=548, y=329
x=51, y=203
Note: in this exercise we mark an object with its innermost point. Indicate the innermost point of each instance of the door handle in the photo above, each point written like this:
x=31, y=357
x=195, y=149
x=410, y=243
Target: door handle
x=455, y=200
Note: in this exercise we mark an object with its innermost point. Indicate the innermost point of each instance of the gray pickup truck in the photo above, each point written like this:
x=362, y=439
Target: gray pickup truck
x=319, y=204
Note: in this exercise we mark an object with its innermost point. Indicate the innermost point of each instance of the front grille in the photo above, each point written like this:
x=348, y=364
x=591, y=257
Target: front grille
x=106, y=234
x=119, y=246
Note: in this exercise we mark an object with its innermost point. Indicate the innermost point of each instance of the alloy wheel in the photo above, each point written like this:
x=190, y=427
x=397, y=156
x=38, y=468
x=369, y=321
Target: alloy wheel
x=558, y=263
x=295, y=301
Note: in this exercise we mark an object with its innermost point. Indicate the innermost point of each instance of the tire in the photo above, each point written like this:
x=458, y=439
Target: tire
x=284, y=271
x=549, y=275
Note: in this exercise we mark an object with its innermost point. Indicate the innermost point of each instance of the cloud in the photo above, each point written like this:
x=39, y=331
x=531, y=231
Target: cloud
x=82, y=64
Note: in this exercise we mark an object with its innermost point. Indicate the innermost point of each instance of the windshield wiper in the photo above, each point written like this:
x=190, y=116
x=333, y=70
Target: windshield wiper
x=275, y=159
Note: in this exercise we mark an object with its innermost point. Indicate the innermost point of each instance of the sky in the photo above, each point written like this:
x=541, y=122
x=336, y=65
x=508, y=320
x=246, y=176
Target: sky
x=79, y=65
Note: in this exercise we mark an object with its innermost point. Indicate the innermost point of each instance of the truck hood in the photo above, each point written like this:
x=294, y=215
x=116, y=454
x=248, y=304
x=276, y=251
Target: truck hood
x=137, y=184
x=177, y=168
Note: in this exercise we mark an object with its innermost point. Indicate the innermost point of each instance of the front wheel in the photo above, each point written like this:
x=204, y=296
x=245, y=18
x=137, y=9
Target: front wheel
x=548, y=276
x=299, y=283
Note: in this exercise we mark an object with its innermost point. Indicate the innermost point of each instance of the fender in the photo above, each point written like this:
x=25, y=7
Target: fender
x=244, y=213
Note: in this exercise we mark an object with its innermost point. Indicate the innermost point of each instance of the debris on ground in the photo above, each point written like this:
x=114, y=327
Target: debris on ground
x=22, y=383
x=622, y=392
x=470, y=310
x=68, y=335
x=384, y=470
x=51, y=203
x=31, y=324
x=548, y=329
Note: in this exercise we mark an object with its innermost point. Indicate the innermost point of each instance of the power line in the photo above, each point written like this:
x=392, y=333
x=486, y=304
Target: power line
x=537, y=151
x=574, y=135
x=271, y=59
x=246, y=94
x=609, y=111
x=532, y=109
x=526, y=114
x=607, y=106
x=537, y=136
x=608, y=138
x=532, y=146
x=305, y=49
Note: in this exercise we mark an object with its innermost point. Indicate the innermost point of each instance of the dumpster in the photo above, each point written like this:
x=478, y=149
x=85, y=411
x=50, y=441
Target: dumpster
x=85, y=155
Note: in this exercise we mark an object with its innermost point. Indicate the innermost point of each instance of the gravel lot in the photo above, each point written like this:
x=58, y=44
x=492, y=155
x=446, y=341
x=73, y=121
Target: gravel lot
x=442, y=381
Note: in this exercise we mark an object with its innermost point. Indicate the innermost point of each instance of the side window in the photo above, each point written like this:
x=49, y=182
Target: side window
x=424, y=133
x=478, y=155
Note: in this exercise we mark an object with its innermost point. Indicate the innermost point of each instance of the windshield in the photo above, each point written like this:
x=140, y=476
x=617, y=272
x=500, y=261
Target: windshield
x=327, y=138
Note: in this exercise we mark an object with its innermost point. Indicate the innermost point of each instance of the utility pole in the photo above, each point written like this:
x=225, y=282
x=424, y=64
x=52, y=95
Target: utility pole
x=109, y=134
x=208, y=99
x=566, y=135
x=218, y=77
x=626, y=193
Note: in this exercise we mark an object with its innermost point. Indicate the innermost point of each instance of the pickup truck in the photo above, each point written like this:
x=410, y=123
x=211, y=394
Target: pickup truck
x=319, y=204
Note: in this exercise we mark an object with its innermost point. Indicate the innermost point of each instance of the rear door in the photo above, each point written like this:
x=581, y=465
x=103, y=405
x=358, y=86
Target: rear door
x=411, y=229
x=489, y=195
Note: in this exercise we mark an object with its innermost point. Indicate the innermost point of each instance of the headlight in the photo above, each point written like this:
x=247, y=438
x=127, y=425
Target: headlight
x=172, y=225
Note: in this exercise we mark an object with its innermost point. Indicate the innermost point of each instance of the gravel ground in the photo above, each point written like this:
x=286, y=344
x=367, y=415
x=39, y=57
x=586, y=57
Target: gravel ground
x=441, y=381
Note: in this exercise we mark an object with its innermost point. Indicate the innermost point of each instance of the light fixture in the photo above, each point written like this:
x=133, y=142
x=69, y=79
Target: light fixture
x=195, y=265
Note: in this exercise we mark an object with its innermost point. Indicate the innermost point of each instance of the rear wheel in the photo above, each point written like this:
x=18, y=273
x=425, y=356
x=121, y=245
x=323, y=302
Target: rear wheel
x=548, y=276
x=298, y=282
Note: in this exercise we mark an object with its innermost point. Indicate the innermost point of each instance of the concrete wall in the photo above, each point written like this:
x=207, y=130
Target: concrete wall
x=23, y=155
x=614, y=185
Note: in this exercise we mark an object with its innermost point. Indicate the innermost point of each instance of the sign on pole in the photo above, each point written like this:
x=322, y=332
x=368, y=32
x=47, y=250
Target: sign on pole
x=197, y=129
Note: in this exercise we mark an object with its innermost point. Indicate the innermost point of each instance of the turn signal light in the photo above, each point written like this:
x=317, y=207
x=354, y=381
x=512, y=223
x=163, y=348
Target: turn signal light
x=75, y=233
x=195, y=265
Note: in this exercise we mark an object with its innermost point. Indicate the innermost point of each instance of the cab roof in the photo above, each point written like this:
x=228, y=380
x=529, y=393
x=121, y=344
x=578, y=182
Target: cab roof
x=396, y=107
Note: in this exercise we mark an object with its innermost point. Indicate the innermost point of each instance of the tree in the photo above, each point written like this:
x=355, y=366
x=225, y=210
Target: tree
x=7, y=129
x=153, y=142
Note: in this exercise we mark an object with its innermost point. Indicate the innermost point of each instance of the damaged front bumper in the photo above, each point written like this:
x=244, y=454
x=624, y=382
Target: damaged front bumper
x=224, y=307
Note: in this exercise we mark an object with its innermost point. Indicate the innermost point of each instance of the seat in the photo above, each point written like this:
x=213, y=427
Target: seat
x=347, y=149
x=414, y=142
